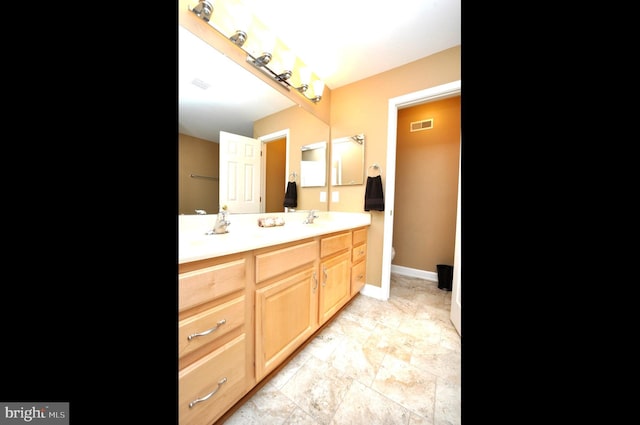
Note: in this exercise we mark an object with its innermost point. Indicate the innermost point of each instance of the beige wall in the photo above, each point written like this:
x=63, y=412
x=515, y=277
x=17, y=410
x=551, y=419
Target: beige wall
x=361, y=107
x=426, y=187
x=201, y=157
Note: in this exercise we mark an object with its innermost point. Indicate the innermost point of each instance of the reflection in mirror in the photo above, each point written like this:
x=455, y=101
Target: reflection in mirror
x=347, y=160
x=313, y=165
x=210, y=102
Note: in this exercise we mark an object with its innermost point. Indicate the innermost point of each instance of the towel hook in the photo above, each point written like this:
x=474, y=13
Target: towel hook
x=292, y=176
x=376, y=167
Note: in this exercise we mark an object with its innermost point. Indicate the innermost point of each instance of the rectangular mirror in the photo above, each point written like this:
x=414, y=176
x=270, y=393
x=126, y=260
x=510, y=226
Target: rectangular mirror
x=313, y=165
x=347, y=160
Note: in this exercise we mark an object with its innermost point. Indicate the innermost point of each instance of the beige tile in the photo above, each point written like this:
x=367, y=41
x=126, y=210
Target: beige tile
x=362, y=405
x=268, y=405
x=299, y=417
x=290, y=369
x=378, y=362
x=407, y=385
x=318, y=389
x=448, y=404
x=357, y=361
x=323, y=344
x=444, y=364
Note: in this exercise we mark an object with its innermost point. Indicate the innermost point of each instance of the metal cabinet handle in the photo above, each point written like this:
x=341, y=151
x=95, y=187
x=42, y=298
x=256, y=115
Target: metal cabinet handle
x=207, y=332
x=198, y=400
x=324, y=272
x=315, y=279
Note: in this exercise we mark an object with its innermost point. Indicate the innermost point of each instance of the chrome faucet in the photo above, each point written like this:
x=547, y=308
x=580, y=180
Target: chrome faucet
x=313, y=214
x=222, y=221
x=201, y=212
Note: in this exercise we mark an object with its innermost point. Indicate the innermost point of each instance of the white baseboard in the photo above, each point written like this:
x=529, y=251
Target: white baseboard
x=422, y=274
x=374, y=292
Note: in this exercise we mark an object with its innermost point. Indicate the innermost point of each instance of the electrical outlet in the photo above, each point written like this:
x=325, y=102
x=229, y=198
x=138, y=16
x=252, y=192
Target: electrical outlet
x=335, y=196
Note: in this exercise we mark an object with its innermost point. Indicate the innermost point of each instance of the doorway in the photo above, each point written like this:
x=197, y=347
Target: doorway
x=275, y=163
x=423, y=96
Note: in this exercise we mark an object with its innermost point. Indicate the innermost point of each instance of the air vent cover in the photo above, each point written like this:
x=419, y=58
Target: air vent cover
x=421, y=125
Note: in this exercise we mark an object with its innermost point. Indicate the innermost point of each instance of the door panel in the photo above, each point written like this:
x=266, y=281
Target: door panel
x=239, y=173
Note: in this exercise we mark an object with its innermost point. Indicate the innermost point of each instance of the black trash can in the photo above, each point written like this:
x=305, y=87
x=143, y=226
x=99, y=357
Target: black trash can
x=445, y=277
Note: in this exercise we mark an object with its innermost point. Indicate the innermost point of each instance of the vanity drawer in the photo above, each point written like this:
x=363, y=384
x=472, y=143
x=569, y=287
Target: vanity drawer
x=359, y=236
x=217, y=321
x=358, y=253
x=276, y=262
x=206, y=284
x=358, y=277
x=222, y=372
x=332, y=244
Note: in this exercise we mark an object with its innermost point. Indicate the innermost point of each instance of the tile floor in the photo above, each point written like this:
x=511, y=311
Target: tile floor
x=394, y=362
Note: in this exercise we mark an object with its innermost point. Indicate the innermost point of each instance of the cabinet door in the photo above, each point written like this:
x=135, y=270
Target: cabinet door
x=358, y=276
x=335, y=285
x=211, y=385
x=286, y=315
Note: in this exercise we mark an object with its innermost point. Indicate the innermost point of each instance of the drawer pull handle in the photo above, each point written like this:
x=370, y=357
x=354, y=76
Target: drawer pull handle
x=220, y=323
x=361, y=252
x=324, y=272
x=315, y=279
x=198, y=400
x=360, y=277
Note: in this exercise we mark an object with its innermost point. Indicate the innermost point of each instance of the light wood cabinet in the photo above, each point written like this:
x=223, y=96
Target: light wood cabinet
x=215, y=336
x=210, y=386
x=241, y=316
x=286, y=315
x=286, y=302
x=358, y=260
x=335, y=286
x=335, y=273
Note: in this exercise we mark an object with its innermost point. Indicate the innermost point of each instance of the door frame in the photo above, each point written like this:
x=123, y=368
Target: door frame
x=276, y=135
x=431, y=94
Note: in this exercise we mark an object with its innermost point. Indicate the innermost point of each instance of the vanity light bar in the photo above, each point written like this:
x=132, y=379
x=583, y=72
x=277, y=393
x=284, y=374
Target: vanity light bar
x=204, y=11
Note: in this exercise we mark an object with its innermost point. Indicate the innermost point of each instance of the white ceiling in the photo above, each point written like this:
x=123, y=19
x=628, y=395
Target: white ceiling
x=342, y=41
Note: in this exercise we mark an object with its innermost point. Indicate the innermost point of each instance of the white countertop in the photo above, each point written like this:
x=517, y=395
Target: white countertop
x=245, y=234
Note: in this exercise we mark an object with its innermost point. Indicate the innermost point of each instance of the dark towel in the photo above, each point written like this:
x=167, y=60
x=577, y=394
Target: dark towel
x=373, y=197
x=291, y=195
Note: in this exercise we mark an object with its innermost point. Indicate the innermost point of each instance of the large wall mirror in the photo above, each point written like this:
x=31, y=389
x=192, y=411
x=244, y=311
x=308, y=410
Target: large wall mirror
x=217, y=94
x=347, y=160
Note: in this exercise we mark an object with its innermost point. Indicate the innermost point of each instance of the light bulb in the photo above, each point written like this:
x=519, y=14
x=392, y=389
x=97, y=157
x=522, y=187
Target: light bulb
x=318, y=87
x=305, y=75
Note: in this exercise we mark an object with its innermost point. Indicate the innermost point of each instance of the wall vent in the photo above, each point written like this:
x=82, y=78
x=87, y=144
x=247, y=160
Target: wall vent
x=421, y=125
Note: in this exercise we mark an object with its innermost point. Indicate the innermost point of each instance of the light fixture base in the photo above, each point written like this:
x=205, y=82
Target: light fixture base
x=203, y=10
x=262, y=60
x=239, y=38
x=284, y=75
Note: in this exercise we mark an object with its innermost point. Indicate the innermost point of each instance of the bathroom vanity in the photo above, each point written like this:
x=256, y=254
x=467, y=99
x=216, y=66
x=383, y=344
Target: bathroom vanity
x=247, y=299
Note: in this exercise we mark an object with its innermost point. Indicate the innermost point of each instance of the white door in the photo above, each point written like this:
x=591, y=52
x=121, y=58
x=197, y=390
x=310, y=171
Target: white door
x=239, y=176
x=456, y=284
